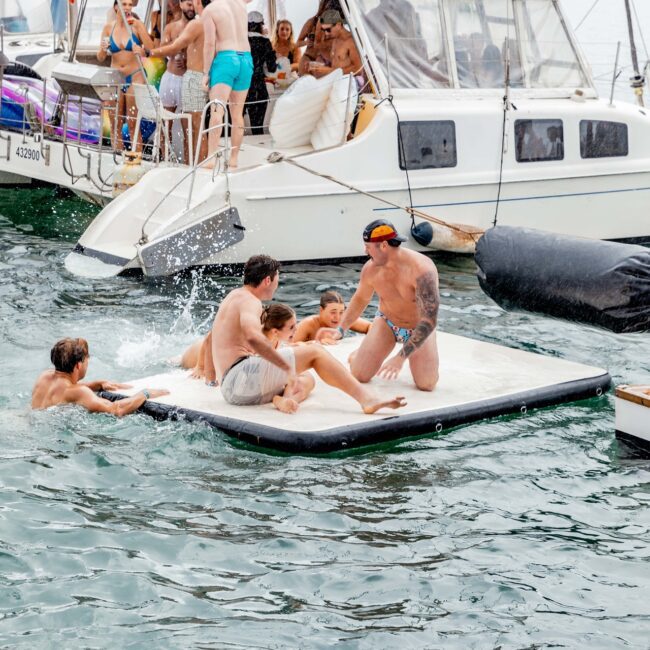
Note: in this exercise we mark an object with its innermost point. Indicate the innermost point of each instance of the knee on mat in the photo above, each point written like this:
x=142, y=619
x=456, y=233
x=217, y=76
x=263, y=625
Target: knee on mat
x=428, y=385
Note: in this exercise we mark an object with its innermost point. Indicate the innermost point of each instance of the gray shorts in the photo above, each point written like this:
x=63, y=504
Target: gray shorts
x=194, y=97
x=256, y=380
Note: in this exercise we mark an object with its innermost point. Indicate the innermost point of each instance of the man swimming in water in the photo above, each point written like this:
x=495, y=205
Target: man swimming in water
x=250, y=370
x=227, y=68
x=63, y=385
x=407, y=285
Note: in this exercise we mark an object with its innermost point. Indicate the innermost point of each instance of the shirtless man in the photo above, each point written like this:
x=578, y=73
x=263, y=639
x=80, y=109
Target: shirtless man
x=63, y=384
x=193, y=97
x=228, y=69
x=251, y=371
x=344, y=52
x=172, y=80
x=407, y=285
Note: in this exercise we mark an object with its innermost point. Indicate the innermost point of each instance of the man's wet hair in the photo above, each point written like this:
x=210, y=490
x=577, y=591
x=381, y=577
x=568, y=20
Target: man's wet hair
x=205, y=3
x=331, y=297
x=258, y=267
x=67, y=353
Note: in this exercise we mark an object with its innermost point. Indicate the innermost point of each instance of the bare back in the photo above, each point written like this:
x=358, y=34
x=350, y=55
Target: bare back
x=51, y=389
x=229, y=21
x=396, y=284
x=229, y=341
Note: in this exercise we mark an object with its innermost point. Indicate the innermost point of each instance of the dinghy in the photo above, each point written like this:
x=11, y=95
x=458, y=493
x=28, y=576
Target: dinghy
x=633, y=416
x=477, y=380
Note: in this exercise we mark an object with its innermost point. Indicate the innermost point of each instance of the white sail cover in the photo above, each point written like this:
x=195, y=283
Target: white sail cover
x=466, y=43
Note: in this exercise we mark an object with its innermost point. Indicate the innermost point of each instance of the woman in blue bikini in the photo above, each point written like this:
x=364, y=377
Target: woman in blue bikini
x=117, y=42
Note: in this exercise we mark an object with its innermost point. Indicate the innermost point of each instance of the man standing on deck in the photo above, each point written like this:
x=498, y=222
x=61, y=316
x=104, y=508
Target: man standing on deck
x=228, y=70
x=63, y=385
x=251, y=371
x=407, y=285
x=193, y=96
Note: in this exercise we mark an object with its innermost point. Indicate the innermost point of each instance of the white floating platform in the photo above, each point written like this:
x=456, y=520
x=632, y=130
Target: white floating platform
x=477, y=381
x=633, y=415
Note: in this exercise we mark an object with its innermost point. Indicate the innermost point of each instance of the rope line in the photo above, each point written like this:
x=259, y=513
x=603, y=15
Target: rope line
x=277, y=157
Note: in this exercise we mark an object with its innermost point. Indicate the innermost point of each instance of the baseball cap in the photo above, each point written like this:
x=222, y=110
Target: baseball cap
x=381, y=230
x=331, y=17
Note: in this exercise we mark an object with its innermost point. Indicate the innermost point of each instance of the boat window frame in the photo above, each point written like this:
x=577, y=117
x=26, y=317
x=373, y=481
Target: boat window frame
x=525, y=161
x=605, y=156
x=401, y=152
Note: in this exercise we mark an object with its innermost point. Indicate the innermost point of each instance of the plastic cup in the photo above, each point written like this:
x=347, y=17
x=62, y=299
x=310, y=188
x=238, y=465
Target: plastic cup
x=282, y=75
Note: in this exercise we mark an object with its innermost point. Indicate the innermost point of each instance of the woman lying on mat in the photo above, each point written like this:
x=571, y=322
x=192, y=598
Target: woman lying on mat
x=329, y=315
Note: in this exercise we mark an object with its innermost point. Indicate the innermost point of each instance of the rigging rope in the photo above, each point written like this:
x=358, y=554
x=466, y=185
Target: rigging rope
x=593, y=6
x=276, y=157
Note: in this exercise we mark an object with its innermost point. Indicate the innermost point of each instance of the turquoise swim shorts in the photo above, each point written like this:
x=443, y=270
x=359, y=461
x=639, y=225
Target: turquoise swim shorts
x=235, y=69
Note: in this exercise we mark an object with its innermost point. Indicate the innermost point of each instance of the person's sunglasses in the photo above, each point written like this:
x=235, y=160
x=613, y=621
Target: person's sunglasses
x=326, y=29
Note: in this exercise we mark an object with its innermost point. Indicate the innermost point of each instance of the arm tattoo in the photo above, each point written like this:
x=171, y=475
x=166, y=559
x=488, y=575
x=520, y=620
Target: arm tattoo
x=427, y=299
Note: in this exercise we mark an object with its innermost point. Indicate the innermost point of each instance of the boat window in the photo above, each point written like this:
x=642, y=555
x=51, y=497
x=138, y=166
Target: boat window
x=427, y=145
x=539, y=140
x=600, y=139
x=25, y=16
x=407, y=38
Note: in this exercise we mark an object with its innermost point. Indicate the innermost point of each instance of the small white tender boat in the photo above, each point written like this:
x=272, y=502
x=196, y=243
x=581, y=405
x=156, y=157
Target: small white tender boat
x=477, y=381
x=633, y=415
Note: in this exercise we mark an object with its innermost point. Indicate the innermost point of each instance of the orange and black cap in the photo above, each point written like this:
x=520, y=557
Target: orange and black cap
x=381, y=230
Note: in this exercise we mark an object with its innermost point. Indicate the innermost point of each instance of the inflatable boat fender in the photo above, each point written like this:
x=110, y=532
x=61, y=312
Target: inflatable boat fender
x=600, y=283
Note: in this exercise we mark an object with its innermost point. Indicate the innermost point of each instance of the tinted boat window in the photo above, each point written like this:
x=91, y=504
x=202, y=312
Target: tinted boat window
x=600, y=139
x=539, y=140
x=427, y=145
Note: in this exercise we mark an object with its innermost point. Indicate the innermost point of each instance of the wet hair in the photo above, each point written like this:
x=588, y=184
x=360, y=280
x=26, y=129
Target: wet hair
x=259, y=267
x=331, y=297
x=256, y=28
x=67, y=353
x=275, y=316
x=205, y=3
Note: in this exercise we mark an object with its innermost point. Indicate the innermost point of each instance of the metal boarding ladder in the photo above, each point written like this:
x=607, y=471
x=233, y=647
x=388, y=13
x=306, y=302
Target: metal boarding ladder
x=144, y=239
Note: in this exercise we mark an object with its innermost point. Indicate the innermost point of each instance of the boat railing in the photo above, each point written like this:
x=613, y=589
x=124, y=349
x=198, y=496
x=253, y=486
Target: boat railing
x=220, y=152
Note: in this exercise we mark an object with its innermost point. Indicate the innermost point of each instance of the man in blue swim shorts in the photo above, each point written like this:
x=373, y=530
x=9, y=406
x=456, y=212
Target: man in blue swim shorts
x=228, y=69
x=407, y=285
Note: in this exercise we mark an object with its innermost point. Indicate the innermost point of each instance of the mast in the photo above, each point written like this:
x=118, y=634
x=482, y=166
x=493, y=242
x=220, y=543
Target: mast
x=637, y=81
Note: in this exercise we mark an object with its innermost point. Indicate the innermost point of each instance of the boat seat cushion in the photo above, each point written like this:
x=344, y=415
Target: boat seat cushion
x=297, y=113
x=334, y=124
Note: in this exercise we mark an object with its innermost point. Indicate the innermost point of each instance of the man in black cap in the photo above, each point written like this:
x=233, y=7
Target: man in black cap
x=343, y=52
x=407, y=285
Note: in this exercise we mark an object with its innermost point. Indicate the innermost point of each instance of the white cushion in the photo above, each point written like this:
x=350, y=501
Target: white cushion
x=297, y=112
x=334, y=124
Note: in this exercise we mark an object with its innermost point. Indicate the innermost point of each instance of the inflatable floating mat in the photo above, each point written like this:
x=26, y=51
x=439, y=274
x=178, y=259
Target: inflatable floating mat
x=477, y=381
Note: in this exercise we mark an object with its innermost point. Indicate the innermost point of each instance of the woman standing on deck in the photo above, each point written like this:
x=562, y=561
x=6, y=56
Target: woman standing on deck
x=118, y=39
x=311, y=38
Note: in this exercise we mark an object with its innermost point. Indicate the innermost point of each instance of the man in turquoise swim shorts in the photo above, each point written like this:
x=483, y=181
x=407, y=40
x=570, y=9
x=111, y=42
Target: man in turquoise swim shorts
x=228, y=69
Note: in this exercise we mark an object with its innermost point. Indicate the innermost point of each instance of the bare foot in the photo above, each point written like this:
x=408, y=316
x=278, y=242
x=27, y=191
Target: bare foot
x=285, y=404
x=374, y=405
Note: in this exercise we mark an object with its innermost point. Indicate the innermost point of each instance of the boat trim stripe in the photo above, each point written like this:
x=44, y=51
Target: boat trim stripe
x=519, y=198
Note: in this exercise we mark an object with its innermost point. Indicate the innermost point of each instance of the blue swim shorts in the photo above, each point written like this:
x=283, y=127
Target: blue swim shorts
x=235, y=69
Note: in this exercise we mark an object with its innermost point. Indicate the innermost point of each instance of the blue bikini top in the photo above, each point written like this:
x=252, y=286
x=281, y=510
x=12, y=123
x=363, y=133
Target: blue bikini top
x=114, y=47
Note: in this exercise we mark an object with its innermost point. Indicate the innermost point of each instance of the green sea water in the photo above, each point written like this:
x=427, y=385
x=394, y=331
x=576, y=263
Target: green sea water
x=518, y=532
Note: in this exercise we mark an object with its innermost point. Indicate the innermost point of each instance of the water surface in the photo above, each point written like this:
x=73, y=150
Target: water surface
x=517, y=532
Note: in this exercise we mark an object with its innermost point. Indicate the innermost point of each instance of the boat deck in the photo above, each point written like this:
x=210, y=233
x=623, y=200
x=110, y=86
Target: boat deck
x=478, y=380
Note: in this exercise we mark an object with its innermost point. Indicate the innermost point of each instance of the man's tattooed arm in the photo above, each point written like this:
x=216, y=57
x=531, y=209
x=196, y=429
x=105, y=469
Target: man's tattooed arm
x=427, y=299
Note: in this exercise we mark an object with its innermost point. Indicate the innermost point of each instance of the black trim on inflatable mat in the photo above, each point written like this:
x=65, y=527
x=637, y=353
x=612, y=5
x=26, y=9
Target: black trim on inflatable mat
x=389, y=428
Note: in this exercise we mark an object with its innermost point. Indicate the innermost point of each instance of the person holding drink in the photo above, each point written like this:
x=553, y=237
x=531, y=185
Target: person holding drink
x=117, y=41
